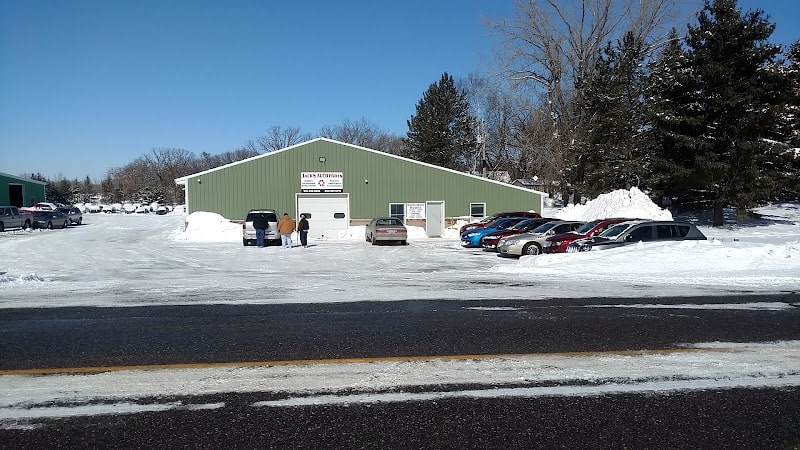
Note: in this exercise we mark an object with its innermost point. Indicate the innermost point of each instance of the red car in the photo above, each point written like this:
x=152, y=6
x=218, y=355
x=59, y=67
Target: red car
x=559, y=242
x=500, y=215
x=489, y=242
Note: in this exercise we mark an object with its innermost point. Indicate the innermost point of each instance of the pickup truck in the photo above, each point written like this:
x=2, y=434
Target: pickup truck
x=11, y=217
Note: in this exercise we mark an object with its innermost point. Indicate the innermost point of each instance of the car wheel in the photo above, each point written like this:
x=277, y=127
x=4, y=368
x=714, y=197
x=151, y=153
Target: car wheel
x=2, y=227
x=244, y=242
x=49, y=225
x=372, y=239
x=26, y=225
x=531, y=248
x=79, y=221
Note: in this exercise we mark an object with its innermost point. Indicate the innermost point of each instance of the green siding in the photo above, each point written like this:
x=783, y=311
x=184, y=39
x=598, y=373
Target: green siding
x=32, y=191
x=272, y=180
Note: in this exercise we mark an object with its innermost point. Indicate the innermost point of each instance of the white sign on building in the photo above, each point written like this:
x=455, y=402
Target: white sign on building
x=321, y=182
x=415, y=211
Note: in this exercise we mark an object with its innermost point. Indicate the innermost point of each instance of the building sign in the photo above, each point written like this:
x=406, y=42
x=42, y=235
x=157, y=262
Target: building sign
x=321, y=182
x=415, y=211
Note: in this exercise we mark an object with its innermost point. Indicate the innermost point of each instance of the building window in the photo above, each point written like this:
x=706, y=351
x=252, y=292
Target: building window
x=477, y=210
x=398, y=210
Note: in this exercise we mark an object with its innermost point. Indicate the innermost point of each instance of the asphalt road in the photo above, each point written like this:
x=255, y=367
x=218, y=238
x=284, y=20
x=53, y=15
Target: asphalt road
x=80, y=337
x=718, y=418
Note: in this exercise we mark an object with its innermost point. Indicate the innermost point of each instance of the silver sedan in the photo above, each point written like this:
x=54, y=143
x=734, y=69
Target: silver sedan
x=532, y=243
x=386, y=229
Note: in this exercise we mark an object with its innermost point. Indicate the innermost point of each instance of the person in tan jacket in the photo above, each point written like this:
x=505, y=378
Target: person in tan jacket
x=286, y=227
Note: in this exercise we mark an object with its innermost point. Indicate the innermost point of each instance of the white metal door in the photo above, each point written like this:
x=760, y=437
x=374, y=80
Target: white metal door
x=434, y=219
x=330, y=213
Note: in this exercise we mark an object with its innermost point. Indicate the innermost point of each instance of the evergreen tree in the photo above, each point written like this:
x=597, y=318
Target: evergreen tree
x=724, y=108
x=789, y=131
x=441, y=132
x=669, y=107
x=615, y=154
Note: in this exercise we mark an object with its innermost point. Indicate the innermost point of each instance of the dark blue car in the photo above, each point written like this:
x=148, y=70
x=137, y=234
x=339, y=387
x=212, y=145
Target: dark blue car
x=472, y=238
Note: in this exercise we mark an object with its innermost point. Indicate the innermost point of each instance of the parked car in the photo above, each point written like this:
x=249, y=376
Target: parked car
x=532, y=243
x=489, y=242
x=500, y=215
x=559, y=242
x=249, y=233
x=12, y=217
x=73, y=213
x=631, y=232
x=386, y=229
x=50, y=219
x=161, y=210
x=40, y=206
x=472, y=238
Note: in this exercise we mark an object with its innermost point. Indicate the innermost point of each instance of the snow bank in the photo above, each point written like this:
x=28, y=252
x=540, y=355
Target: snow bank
x=202, y=226
x=633, y=204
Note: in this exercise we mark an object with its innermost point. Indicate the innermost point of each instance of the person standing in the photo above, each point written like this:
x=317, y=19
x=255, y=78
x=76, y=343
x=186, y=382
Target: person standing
x=261, y=225
x=286, y=228
x=302, y=230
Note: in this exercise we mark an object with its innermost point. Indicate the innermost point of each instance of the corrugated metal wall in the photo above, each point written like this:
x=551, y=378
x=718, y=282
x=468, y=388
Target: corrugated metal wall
x=372, y=178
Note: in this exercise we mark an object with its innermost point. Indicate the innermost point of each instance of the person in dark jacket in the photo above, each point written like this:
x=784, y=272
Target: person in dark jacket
x=302, y=230
x=261, y=224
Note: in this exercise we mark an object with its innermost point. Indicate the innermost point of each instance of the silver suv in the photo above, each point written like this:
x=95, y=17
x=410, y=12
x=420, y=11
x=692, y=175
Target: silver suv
x=249, y=233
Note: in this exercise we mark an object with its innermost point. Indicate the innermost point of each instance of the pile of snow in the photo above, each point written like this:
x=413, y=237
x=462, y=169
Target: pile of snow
x=202, y=226
x=632, y=204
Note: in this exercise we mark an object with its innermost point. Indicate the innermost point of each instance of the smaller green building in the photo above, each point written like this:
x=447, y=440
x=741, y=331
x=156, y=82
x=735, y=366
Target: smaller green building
x=339, y=184
x=19, y=192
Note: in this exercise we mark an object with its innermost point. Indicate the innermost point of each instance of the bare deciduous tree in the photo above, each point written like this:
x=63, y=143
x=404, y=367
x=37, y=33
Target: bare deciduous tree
x=278, y=138
x=554, y=45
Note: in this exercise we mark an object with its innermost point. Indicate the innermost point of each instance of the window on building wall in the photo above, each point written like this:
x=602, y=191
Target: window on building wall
x=477, y=209
x=398, y=210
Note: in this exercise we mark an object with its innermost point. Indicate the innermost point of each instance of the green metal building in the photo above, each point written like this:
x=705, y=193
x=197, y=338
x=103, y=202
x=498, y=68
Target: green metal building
x=340, y=184
x=19, y=192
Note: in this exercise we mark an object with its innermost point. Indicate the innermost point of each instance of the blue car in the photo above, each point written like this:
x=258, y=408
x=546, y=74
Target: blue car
x=472, y=238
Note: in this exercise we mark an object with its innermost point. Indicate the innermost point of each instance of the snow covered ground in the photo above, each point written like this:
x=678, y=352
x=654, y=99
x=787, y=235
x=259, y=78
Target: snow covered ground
x=126, y=260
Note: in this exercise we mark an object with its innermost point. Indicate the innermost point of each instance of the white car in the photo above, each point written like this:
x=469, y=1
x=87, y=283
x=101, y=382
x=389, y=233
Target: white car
x=532, y=243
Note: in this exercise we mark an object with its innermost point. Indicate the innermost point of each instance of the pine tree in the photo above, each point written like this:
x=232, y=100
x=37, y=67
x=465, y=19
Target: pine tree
x=789, y=128
x=441, y=132
x=669, y=106
x=723, y=107
x=615, y=154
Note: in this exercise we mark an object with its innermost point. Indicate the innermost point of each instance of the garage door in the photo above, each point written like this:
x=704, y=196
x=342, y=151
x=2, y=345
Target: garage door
x=330, y=213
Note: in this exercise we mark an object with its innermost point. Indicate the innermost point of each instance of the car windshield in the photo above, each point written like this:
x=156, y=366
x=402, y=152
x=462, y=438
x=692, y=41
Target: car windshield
x=615, y=230
x=389, y=222
x=587, y=227
x=544, y=227
x=521, y=225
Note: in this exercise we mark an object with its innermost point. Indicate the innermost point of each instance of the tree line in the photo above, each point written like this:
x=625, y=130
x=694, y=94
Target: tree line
x=591, y=96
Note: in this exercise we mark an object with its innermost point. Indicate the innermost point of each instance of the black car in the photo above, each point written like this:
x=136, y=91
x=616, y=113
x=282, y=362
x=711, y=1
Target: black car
x=627, y=233
x=50, y=219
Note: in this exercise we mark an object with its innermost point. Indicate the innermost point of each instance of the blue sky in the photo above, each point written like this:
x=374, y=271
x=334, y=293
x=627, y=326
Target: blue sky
x=87, y=86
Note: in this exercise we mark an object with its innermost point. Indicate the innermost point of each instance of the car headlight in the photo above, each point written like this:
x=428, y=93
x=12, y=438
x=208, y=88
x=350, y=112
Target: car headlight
x=471, y=235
